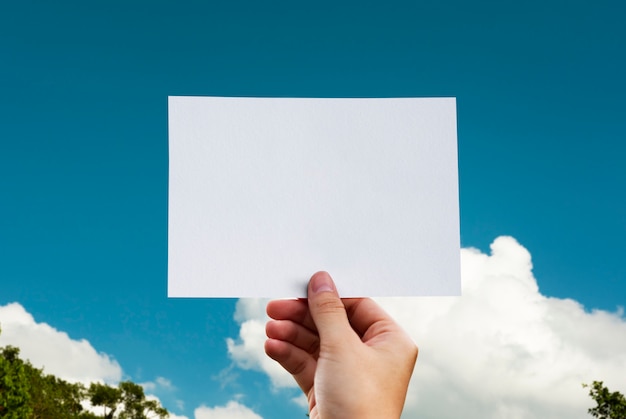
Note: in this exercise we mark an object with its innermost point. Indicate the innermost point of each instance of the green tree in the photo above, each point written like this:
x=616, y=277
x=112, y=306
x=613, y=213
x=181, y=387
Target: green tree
x=106, y=396
x=52, y=397
x=610, y=405
x=136, y=406
x=15, y=399
x=128, y=400
x=27, y=393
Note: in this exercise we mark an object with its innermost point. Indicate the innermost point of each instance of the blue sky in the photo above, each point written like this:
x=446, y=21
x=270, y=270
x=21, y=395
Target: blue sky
x=83, y=150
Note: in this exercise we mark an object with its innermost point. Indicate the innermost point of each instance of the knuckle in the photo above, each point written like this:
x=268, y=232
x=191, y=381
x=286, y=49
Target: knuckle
x=329, y=305
x=314, y=347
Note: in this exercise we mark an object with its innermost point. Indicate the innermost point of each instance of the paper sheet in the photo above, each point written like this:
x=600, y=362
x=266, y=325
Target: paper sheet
x=264, y=192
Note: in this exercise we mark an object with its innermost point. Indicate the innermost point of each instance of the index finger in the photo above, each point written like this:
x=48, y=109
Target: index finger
x=295, y=310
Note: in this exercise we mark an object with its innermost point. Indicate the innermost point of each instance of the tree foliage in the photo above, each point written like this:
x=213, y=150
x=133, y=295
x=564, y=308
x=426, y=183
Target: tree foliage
x=610, y=405
x=106, y=396
x=15, y=397
x=27, y=392
x=127, y=401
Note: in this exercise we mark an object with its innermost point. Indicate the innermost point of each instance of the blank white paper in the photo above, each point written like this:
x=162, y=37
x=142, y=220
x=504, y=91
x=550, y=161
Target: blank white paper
x=264, y=192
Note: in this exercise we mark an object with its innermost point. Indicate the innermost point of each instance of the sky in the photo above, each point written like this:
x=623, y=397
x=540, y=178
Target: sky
x=84, y=173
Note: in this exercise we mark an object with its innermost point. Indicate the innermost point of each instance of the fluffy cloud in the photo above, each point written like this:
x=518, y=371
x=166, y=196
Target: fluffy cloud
x=248, y=351
x=232, y=410
x=44, y=346
x=77, y=361
x=502, y=350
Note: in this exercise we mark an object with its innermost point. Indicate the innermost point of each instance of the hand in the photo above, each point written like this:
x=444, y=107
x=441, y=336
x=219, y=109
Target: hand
x=348, y=356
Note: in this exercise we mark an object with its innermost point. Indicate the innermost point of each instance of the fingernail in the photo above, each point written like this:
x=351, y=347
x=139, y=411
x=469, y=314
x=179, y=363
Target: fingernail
x=321, y=282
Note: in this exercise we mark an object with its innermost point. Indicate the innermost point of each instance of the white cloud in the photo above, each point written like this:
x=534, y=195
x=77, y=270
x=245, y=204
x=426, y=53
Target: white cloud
x=165, y=383
x=160, y=383
x=77, y=361
x=67, y=358
x=502, y=350
x=248, y=352
x=301, y=401
x=44, y=346
x=232, y=410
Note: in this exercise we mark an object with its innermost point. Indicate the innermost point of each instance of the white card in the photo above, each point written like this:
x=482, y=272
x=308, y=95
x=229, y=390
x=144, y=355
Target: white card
x=264, y=192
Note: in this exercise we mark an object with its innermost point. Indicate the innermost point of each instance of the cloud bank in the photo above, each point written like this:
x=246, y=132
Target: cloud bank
x=502, y=350
x=78, y=361
x=45, y=346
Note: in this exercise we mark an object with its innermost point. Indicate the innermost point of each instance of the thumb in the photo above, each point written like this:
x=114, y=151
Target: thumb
x=327, y=310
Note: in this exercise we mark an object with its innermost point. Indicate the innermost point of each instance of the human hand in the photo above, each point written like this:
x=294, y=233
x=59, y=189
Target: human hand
x=348, y=356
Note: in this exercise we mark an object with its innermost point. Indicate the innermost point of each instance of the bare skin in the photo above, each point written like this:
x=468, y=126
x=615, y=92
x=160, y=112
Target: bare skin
x=348, y=356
